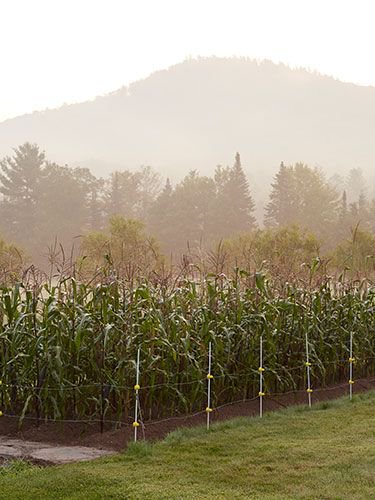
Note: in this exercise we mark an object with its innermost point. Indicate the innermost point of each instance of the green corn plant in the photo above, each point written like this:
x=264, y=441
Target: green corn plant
x=68, y=350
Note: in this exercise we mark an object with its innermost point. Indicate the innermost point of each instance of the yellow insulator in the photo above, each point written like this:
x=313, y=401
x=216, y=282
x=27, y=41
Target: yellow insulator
x=309, y=390
x=208, y=410
x=261, y=369
x=351, y=382
x=351, y=360
x=135, y=424
x=260, y=394
x=209, y=376
x=307, y=363
x=137, y=387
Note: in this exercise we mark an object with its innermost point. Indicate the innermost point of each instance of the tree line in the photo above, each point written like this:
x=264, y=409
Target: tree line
x=42, y=202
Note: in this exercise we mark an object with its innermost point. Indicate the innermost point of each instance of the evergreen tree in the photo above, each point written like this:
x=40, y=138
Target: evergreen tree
x=20, y=180
x=113, y=202
x=344, y=207
x=122, y=194
x=317, y=202
x=363, y=208
x=192, y=204
x=183, y=217
x=280, y=210
x=234, y=207
x=149, y=183
x=61, y=207
x=131, y=194
x=243, y=205
x=161, y=216
x=95, y=206
x=300, y=195
x=359, y=213
x=355, y=184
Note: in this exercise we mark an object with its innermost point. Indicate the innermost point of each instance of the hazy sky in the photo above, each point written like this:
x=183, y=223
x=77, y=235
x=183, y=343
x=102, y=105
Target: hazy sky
x=59, y=51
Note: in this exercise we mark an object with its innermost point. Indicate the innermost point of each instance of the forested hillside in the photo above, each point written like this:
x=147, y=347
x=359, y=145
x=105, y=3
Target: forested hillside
x=196, y=114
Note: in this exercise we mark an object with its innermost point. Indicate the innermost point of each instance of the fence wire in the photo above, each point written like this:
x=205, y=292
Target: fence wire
x=146, y=424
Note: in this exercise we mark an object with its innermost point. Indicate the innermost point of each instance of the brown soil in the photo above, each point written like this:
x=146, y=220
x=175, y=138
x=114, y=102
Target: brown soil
x=82, y=434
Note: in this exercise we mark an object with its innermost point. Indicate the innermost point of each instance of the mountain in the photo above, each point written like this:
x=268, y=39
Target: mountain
x=198, y=113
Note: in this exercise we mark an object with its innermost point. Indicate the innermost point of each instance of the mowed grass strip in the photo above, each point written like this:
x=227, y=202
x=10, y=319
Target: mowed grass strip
x=326, y=452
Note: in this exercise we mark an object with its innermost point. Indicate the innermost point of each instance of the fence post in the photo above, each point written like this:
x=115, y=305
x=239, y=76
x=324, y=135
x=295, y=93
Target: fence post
x=351, y=361
x=136, y=389
x=308, y=372
x=261, y=394
x=209, y=379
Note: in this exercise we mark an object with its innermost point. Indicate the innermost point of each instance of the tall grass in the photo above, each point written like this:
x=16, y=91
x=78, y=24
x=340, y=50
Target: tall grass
x=68, y=350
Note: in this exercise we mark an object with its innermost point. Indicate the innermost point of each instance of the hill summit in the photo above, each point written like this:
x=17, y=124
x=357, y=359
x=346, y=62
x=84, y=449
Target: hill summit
x=198, y=113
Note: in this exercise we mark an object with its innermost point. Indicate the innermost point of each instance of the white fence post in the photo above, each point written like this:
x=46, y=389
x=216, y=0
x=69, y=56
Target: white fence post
x=351, y=361
x=261, y=394
x=308, y=372
x=136, y=389
x=209, y=379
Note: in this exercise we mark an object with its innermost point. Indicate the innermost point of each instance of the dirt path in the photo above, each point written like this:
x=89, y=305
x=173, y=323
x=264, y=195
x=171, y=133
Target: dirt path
x=78, y=439
x=46, y=454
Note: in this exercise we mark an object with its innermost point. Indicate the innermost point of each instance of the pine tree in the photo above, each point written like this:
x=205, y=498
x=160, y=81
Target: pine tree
x=113, y=205
x=161, y=217
x=148, y=190
x=122, y=196
x=20, y=180
x=192, y=208
x=363, y=208
x=234, y=205
x=300, y=195
x=280, y=210
x=95, y=206
x=359, y=212
x=344, y=207
x=183, y=217
x=355, y=184
x=344, y=221
x=243, y=204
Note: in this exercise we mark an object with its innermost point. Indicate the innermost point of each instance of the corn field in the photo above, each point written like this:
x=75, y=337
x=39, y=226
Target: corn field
x=68, y=351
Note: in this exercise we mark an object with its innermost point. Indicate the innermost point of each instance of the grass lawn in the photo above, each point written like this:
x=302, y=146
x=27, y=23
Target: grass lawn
x=326, y=452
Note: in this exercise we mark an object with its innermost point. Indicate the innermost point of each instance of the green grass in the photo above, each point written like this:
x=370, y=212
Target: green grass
x=326, y=452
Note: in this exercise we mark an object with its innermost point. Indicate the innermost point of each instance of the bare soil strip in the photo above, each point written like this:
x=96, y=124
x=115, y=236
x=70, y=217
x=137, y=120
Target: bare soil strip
x=58, y=442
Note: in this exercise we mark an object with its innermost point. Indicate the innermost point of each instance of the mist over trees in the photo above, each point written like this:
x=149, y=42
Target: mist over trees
x=198, y=113
x=301, y=196
x=133, y=218
x=41, y=200
x=194, y=116
x=201, y=210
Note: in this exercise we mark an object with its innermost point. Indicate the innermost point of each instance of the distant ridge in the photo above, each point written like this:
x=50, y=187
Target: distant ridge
x=200, y=112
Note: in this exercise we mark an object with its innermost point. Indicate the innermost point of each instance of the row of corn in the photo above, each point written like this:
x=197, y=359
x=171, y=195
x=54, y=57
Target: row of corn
x=68, y=350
